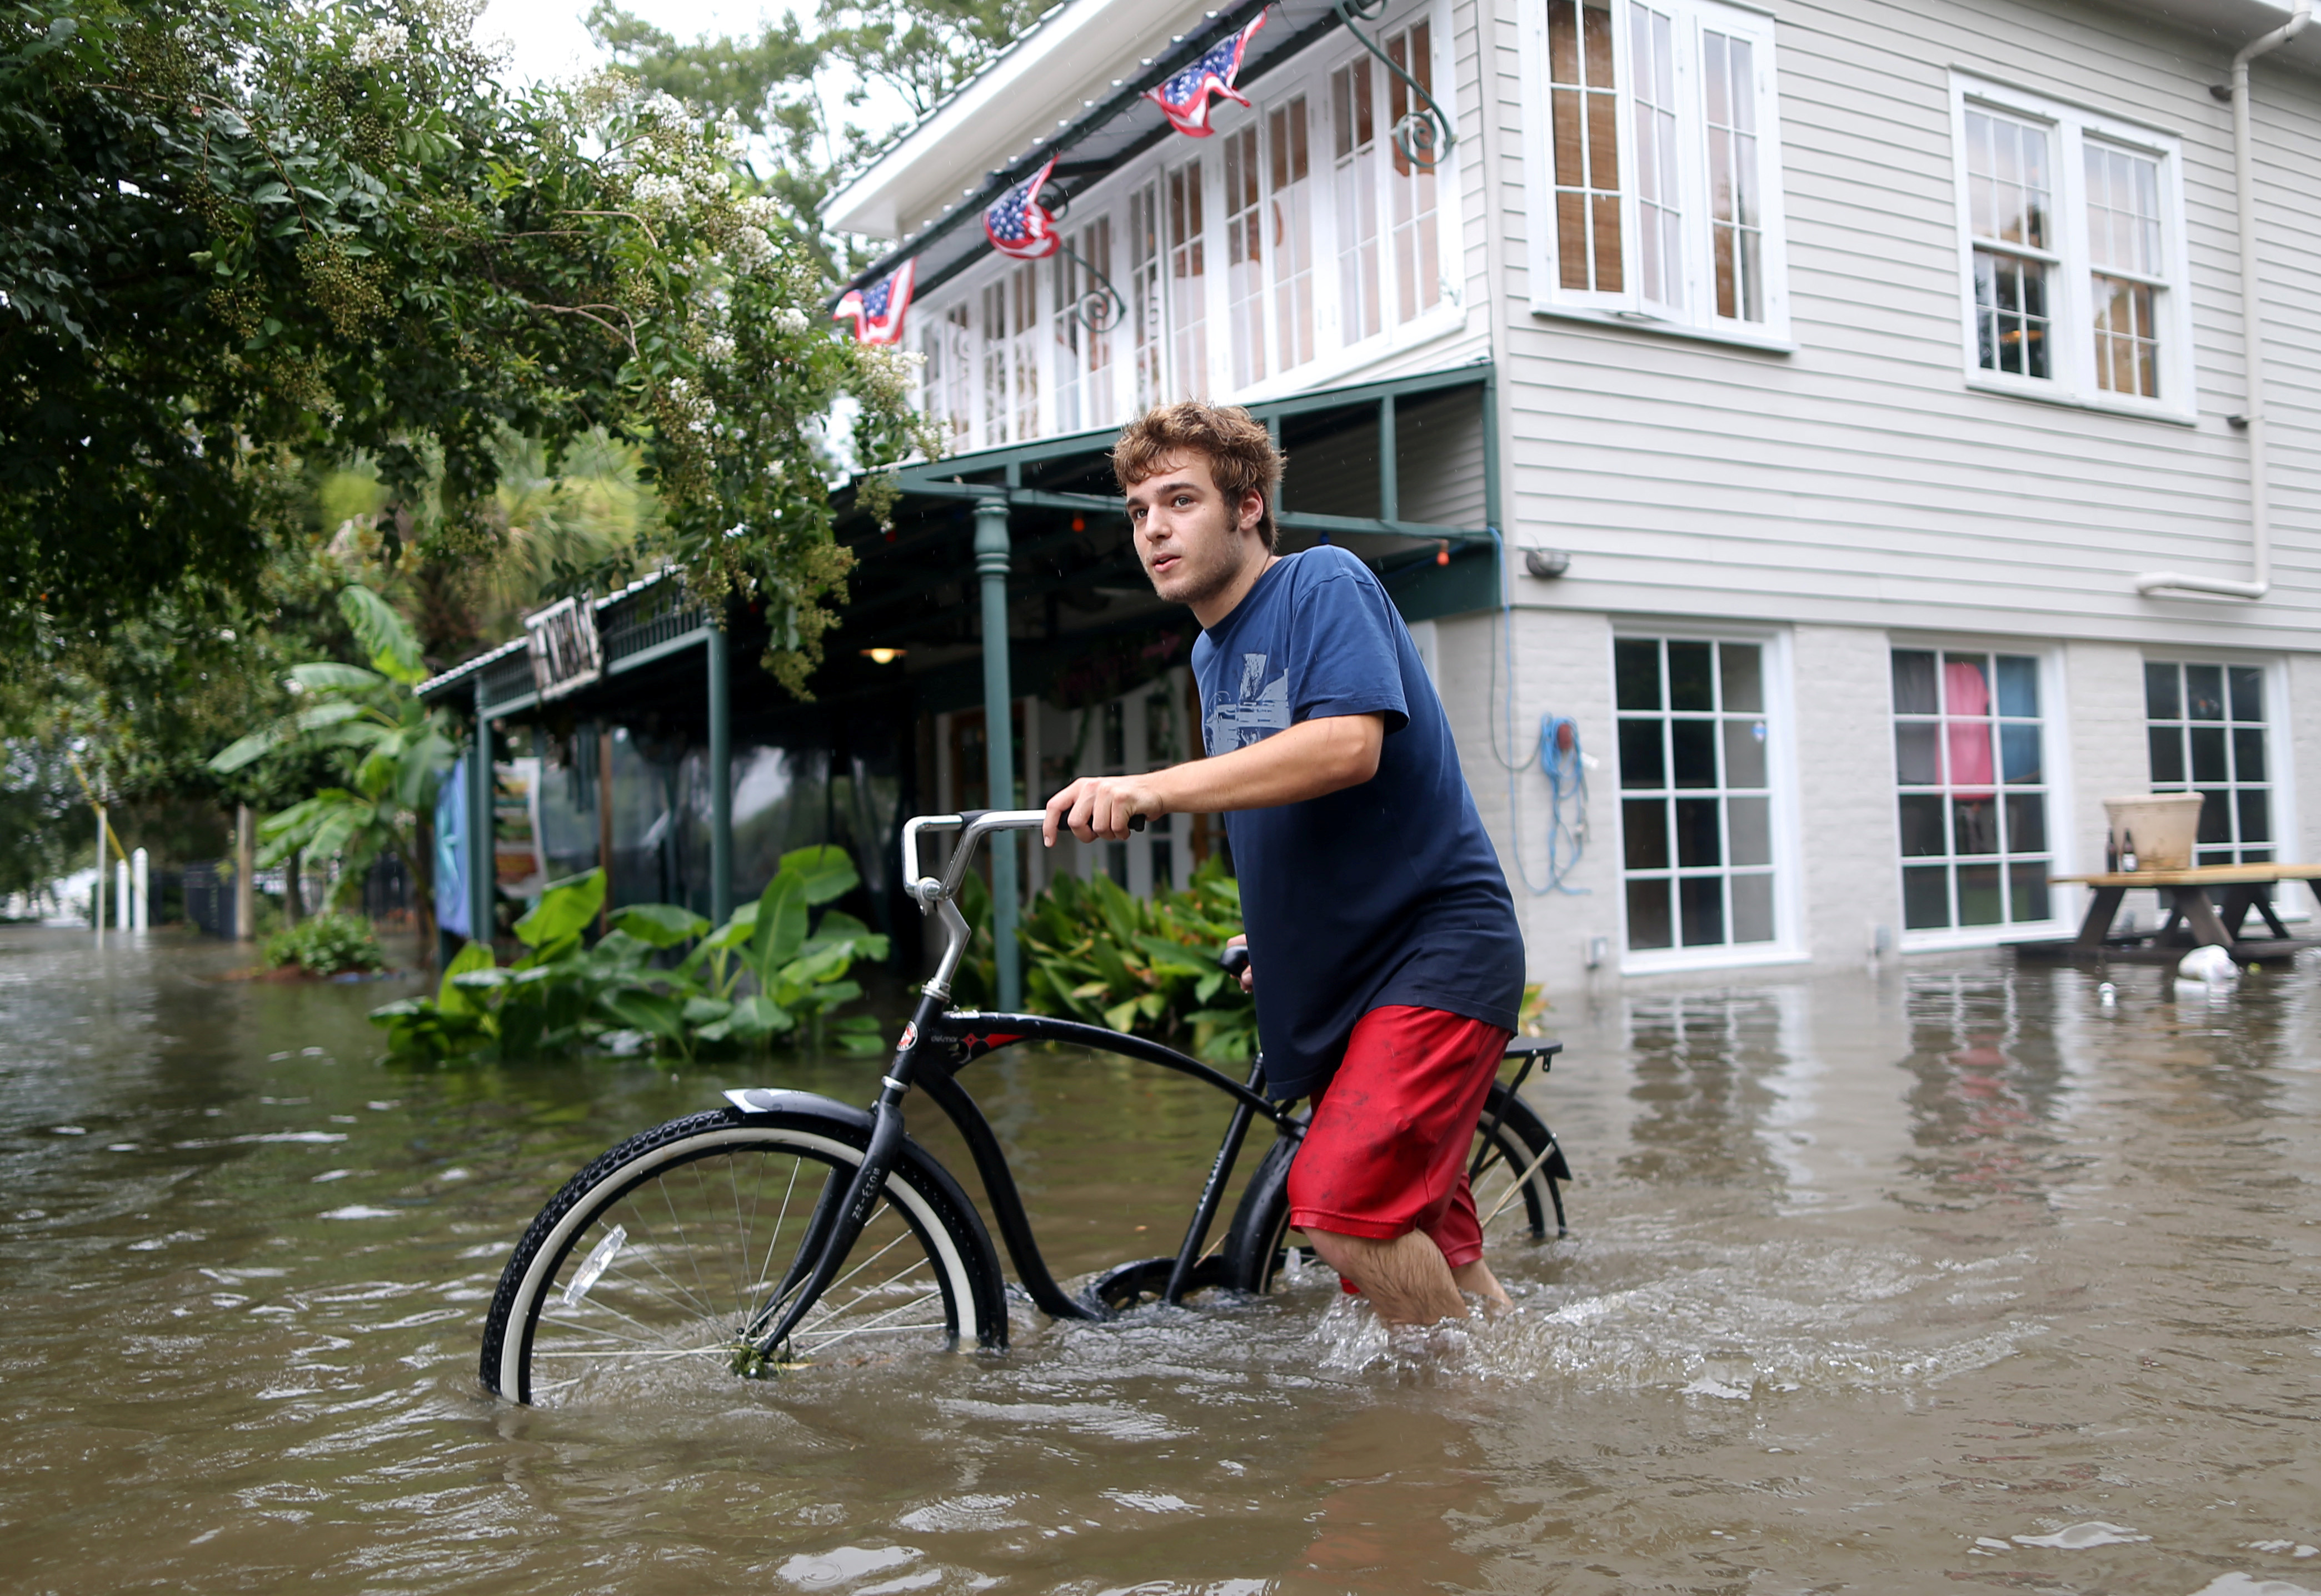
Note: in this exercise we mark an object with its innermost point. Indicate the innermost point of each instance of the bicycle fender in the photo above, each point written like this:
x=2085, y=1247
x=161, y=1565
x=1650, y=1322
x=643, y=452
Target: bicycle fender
x=781, y=1100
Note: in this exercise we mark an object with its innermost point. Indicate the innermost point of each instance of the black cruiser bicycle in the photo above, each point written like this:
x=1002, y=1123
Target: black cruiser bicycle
x=788, y=1231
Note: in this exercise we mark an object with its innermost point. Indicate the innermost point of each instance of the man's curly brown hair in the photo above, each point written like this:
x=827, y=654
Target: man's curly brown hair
x=1241, y=454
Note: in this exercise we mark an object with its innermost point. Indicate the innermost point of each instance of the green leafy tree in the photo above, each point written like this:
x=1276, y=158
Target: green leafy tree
x=393, y=748
x=230, y=227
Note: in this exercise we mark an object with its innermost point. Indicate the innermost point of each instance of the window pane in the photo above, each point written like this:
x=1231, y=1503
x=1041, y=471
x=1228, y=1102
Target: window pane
x=1697, y=846
x=2011, y=318
x=2248, y=753
x=1585, y=119
x=1966, y=746
x=2204, y=691
x=1974, y=826
x=2167, y=755
x=1745, y=753
x=2027, y=885
x=1691, y=682
x=1980, y=903
x=2215, y=815
x=1914, y=757
x=1742, y=667
x=2019, y=748
x=1752, y=908
x=2248, y=692
x=2255, y=815
x=1925, y=898
x=1703, y=902
x=1914, y=683
x=1649, y=925
x=1692, y=748
x=1750, y=822
x=1644, y=833
x=2161, y=701
x=1636, y=674
x=1640, y=754
x=2026, y=823
x=2018, y=687
x=1922, y=826
x=2209, y=753
x=2126, y=343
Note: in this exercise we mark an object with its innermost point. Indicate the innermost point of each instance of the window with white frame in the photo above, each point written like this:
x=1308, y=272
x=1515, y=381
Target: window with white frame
x=1147, y=314
x=1660, y=162
x=1696, y=792
x=1354, y=193
x=2206, y=726
x=1083, y=353
x=947, y=379
x=1970, y=764
x=1011, y=357
x=1245, y=217
x=1417, y=250
x=1290, y=238
x=2070, y=239
x=1188, y=279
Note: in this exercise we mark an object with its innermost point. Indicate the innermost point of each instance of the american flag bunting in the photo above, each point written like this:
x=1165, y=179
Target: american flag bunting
x=877, y=310
x=1016, y=224
x=1184, y=99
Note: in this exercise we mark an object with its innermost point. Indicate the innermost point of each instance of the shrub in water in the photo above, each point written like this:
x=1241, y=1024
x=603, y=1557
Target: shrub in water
x=326, y=945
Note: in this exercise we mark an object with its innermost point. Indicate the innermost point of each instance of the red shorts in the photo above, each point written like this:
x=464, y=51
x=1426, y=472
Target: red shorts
x=1386, y=1152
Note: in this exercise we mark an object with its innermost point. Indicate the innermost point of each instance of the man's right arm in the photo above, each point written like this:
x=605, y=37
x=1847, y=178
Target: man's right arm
x=1311, y=759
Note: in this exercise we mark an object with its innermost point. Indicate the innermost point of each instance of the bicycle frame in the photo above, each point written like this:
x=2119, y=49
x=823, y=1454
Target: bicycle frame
x=936, y=1043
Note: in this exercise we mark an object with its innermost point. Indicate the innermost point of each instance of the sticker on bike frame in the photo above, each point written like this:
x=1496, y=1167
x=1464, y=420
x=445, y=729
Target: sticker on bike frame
x=910, y=1037
x=592, y=1268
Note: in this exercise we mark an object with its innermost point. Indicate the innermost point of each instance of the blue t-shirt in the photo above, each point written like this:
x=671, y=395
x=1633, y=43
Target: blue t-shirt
x=1385, y=893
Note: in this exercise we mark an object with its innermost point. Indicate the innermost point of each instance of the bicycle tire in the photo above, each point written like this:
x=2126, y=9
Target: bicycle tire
x=669, y=1230
x=1524, y=1202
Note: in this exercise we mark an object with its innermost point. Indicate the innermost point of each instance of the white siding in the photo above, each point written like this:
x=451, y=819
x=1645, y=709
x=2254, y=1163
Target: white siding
x=1858, y=480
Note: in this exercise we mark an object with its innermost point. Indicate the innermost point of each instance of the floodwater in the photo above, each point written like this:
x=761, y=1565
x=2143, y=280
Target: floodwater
x=1881, y=1281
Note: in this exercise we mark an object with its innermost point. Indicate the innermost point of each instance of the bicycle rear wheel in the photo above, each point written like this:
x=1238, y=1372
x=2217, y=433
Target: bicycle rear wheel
x=646, y=1274
x=1517, y=1169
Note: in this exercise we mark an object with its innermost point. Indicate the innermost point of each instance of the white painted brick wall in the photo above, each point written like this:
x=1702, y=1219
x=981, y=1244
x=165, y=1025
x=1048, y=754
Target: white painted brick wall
x=1562, y=665
x=1842, y=686
x=2100, y=729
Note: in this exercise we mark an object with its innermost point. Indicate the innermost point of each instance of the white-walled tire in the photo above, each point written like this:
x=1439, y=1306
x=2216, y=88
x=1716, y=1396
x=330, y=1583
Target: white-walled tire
x=642, y=1274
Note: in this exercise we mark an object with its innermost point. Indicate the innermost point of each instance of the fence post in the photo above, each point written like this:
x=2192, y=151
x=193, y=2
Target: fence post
x=141, y=879
x=245, y=874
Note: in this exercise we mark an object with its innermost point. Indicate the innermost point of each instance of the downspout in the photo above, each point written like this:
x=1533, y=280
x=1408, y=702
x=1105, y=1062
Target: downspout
x=2252, y=335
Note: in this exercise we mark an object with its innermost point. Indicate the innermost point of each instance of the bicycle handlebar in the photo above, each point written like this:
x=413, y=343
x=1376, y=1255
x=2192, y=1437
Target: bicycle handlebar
x=925, y=891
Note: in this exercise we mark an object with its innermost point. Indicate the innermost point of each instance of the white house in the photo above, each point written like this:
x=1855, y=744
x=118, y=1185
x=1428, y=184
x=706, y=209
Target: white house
x=1874, y=390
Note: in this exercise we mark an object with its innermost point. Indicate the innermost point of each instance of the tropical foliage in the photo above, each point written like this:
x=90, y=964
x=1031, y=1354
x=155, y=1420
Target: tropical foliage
x=1097, y=953
x=326, y=945
x=391, y=747
x=774, y=972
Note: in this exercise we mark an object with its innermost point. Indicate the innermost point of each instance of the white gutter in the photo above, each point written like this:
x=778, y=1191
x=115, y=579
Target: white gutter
x=2252, y=336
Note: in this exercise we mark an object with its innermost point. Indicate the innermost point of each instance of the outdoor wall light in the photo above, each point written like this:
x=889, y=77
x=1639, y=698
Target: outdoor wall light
x=882, y=655
x=1546, y=563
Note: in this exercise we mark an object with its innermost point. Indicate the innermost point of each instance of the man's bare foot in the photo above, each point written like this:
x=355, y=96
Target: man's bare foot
x=1477, y=1280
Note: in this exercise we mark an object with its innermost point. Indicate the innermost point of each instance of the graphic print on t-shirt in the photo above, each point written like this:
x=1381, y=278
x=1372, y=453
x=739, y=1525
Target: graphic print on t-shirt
x=1259, y=709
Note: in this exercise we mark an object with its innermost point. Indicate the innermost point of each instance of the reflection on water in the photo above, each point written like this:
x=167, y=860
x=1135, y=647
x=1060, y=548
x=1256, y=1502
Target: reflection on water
x=1948, y=1273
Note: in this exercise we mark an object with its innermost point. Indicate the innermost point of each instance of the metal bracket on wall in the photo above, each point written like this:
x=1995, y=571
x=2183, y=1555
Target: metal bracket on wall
x=1101, y=308
x=1424, y=136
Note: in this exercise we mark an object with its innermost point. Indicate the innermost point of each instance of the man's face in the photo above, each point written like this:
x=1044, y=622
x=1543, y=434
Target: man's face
x=1193, y=542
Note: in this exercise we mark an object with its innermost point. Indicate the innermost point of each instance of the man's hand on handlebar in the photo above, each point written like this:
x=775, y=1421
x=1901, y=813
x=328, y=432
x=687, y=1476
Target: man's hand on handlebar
x=1236, y=961
x=1102, y=806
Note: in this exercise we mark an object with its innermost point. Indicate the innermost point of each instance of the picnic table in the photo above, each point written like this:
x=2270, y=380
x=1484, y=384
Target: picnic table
x=2195, y=919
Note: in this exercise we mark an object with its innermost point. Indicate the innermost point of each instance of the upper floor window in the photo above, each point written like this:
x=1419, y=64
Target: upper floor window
x=1385, y=209
x=2071, y=252
x=1189, y=276
x=1661, y=161
x=1083, y=335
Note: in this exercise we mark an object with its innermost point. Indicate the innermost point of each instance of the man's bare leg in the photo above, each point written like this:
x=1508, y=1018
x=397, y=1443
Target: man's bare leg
x=1406, y=1279
x=1477, y=1280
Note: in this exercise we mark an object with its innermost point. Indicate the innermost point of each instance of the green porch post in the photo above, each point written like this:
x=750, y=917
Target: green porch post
x=720, y=781
x=483, y=861
x=991, y=560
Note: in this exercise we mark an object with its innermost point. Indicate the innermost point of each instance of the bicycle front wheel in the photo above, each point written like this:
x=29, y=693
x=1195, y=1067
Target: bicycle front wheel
x=1516, y=1171
x=650, y=1272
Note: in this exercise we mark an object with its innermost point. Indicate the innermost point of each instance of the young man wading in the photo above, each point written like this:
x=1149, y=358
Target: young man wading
x=1375, y=906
